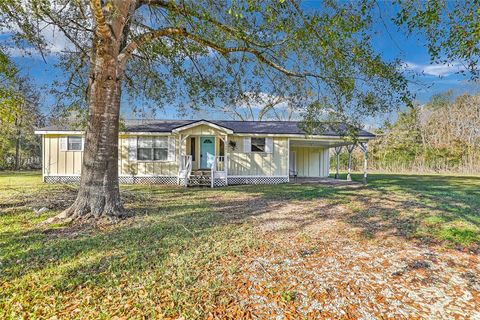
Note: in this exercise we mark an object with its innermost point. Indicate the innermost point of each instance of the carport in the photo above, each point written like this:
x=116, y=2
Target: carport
x=310, y=158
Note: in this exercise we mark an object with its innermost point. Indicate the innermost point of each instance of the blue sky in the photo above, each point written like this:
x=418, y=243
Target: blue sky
x=390, y=42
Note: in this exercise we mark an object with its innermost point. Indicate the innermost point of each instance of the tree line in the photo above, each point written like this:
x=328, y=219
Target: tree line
x=20, y=113
x=441, y=136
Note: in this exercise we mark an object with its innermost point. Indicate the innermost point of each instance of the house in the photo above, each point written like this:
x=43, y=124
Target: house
x=202, y=152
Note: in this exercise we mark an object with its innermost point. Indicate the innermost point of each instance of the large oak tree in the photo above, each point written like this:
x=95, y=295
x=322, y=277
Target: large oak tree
x=200, y=54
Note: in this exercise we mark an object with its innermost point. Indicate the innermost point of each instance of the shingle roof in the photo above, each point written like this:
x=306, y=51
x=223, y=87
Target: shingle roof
x=254, y=127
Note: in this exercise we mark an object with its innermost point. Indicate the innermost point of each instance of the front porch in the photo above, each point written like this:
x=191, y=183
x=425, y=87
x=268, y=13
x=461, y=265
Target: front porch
x=202, y=155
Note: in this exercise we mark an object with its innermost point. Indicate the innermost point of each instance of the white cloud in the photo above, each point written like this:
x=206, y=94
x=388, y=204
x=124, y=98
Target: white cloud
x=54, y=38
x=438, y=70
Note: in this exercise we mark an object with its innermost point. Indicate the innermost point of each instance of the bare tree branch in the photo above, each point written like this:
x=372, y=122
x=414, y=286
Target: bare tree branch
x=171, y=6
x=172, y=32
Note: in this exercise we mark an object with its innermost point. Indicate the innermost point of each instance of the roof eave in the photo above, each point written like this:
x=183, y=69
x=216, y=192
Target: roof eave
x=202, y=122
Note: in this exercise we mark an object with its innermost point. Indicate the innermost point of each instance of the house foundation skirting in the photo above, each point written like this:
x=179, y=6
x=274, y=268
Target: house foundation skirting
x=61, y=179
x=233, y=180
x=219, y=182
x=172, y=180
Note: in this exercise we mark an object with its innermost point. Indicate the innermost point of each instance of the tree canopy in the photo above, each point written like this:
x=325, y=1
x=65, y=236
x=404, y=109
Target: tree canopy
x=451, y=28
x=210, y=54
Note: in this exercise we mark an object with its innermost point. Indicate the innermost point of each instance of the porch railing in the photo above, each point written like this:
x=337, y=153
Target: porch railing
x=219, y=169
x=220, y=163
x=185, y=168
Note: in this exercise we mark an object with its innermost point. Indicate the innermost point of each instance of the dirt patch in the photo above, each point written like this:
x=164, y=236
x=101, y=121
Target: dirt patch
x=318, y=266
x=52, y=200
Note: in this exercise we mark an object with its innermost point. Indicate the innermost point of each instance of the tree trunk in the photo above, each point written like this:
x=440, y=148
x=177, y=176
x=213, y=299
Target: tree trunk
x=99, y=193
x=17, y=153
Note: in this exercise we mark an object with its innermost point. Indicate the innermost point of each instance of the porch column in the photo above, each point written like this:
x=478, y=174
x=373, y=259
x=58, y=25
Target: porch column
x=364, y=147
x=225, y=158
x=350, y=150
x=179, y=160
x=337, y=153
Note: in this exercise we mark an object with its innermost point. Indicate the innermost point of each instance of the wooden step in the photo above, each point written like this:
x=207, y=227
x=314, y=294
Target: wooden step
x=199, y=180
x=201, y=172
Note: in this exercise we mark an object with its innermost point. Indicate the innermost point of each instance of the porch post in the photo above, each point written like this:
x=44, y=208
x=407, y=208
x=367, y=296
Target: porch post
x=225, y=158
x=179, y=160
x=337, y=153
x=350, y=150
x=364, y=147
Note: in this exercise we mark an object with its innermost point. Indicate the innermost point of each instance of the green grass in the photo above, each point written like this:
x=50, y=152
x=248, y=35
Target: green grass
x=440, y=207
x=172, y=257
x=164, y=261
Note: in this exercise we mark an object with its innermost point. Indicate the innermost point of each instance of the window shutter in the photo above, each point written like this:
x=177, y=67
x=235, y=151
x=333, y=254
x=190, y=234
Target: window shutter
x=63, y=143
x=247, y=144
x=83, y=143
x=132, y=148
x=268, y=145
x=171, y=148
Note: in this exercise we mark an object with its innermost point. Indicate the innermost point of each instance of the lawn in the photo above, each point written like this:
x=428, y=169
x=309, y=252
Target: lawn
x=184, y=251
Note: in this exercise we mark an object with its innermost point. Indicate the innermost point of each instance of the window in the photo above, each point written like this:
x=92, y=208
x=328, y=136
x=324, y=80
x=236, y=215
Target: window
x=258, y=145
x=192, y=148
x=74, y=143
x=152, y=148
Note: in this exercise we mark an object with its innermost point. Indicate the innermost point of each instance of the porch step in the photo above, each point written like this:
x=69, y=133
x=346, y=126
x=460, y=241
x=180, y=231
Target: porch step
x=199, y=180
x=201, y=172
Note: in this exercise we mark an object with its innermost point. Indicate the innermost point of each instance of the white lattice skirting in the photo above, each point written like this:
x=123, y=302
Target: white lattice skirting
x=172, y=180
x=256, y=180
x=219, y=182
x=62, y=179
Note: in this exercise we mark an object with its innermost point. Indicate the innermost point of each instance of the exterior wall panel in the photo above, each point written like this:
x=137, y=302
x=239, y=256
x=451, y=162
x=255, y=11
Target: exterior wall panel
x=242, y=163
x=312, y=161
x=58, y=162
x=129, y=167
x=69, y=163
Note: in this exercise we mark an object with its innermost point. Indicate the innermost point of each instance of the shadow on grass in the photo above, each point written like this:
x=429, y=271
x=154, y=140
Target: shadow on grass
x=193, y=222
x=172, y=221
x=433, y=208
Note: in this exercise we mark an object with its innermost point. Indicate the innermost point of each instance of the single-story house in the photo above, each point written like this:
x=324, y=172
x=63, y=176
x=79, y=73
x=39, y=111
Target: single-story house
x=198, y=152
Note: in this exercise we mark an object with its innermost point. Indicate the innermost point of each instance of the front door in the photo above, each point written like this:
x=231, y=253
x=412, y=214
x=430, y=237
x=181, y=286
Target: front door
x=207, y=152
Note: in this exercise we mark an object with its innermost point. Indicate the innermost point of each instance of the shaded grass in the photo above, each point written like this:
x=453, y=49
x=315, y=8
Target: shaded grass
x=171, y=258
x=163, y=262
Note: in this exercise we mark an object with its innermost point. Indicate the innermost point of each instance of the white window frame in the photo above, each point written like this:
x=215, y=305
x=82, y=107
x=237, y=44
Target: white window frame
x=152, y=148
x=74, y=137
x=264, y=145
